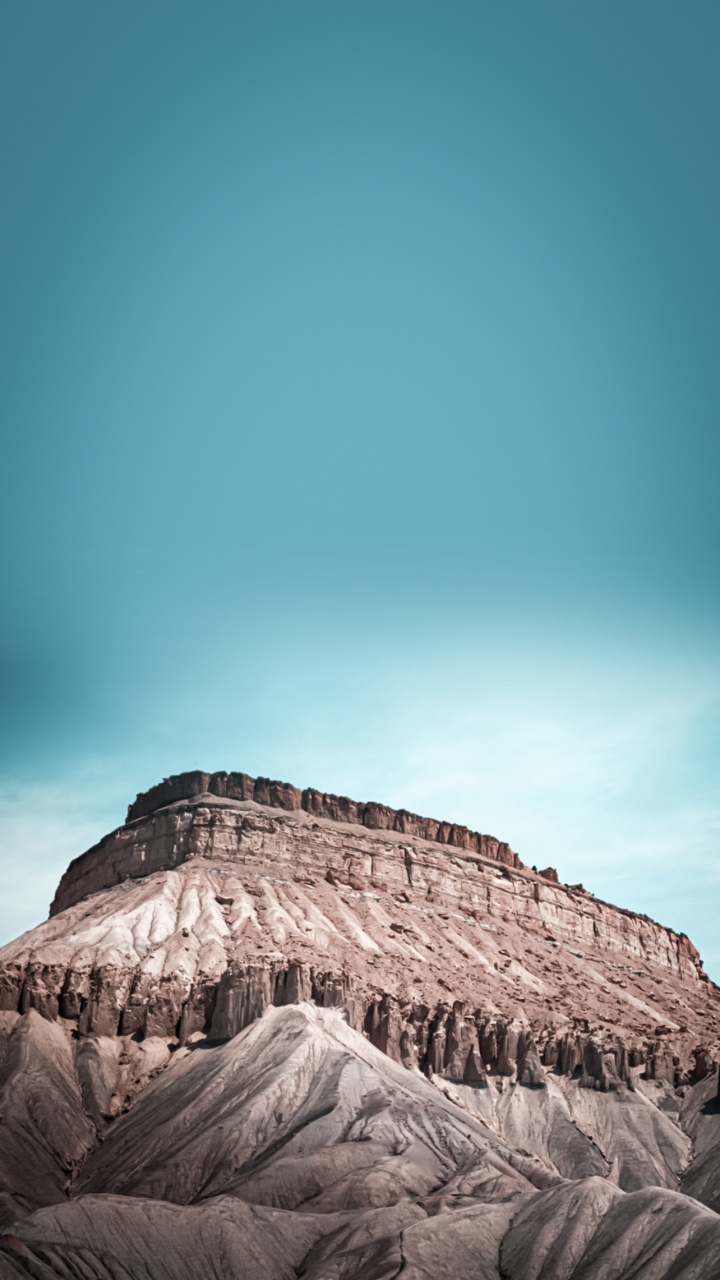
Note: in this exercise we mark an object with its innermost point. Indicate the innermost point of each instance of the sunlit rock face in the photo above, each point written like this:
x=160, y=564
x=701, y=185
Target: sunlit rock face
x=299, y=1034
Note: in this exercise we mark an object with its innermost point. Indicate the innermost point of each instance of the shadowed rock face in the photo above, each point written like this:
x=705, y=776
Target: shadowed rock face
x=272, y=1032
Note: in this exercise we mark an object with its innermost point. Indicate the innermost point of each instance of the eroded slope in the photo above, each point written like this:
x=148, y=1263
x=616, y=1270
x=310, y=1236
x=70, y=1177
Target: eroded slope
x=299, y=1149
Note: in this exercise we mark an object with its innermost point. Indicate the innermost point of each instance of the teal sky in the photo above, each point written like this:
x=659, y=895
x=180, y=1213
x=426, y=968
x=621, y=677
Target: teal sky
x=360, y=399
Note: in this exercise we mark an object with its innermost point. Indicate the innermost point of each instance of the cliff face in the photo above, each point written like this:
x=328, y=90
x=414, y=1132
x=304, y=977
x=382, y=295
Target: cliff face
x=272, y=1032
x=106, y=864
x=208, y=906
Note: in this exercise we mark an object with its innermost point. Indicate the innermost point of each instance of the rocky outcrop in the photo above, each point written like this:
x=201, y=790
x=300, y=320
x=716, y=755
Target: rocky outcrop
x=104, y=864
x=309, y=1030
x=549, y=873
x=320, y=804
x=200, y=915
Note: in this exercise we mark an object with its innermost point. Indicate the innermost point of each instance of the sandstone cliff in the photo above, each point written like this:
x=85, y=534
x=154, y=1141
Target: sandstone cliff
x=208, y=906
x=108, y=861
x=275, y=1032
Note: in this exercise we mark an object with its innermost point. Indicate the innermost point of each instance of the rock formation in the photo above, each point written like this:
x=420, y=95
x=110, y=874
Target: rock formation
x=258, y=1013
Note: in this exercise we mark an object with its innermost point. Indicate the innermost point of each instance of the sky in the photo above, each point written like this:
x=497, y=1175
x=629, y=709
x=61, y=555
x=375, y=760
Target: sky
x=360, y=395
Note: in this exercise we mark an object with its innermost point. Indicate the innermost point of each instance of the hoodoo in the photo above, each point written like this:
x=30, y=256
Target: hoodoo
x=242, y=958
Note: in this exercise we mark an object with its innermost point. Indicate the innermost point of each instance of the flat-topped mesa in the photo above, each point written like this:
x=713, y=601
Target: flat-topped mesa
x=167, y=825
x=320, y=804
x=223, y=894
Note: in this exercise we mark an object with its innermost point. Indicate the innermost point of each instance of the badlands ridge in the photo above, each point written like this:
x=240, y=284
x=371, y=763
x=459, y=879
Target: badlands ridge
x=267, y=1032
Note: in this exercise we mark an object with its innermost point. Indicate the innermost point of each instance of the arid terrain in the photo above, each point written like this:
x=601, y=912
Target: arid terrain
x=275, y=1033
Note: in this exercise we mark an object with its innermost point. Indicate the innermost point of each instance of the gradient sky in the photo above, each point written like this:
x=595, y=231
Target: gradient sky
x=360, y=402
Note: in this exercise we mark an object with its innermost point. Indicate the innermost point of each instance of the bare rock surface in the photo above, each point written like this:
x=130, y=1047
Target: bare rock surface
x=591, y=1231
x=582, y=1132
x=271, y=1032
x=44, y=1131
x=198, y=915
x=300, y=1149
x=700, y=1118
x=113, y=1238
x=300, y=1111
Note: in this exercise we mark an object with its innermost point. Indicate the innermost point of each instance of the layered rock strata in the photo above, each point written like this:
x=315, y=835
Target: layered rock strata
x=207, y=908
x=278, y=1033
x=104, y=864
